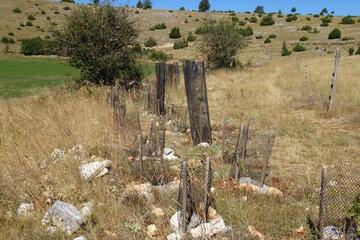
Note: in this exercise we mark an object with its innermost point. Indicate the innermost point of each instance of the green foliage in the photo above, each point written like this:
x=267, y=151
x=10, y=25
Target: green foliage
x=242, y=23
x=347, y=20
x=268, y=40
x=358, y=51
x=351, y=51
x=324, y=11
x=285, y=51
x=56, y=12
x=7, y=40
x=191, y=37
x=247, y=31
x=147, y=4
x=335, y=34
x=306, y=28
x=160, y=26
x=291, y=17
x=354, y=213
x=304, y=38
x=267, y=20
x=204, y=6
x=314, y=31
x=16, y=10
x=11, y=34
x=308, y=18
x=235, y=19
x=182, y=9
x=259, y=9
x=293, y=10
x=272, y=36
x=31, y=18
x=259, y=37
x=253, y=19
x=101, y=42
x=158, y=56
x=221, y=43
x=68, y=1
x=66, y=8
x=299, y=48
x=325, y=21
x=200, y=30
x=139, y=4
x=175, y=33
x=181, y=43
x=43, y=12
x=150, y=42
x=28, y=23
x=37, y=46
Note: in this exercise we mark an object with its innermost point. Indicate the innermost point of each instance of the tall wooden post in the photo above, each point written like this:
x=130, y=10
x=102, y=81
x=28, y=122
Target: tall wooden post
x=172, y=74
x=267, y=154
x=322, y=199
x=183, y=198
x=160, y=87
x=333, y=81
x=207, y=180
x=196, y=94
x=118, y=103
x=140, y=138
x=241, y=148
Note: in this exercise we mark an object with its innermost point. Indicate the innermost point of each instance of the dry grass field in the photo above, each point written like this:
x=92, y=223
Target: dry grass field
x=284, y=94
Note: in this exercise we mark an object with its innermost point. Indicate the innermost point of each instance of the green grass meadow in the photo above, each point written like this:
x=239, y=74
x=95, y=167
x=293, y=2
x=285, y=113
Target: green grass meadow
x=24, y=76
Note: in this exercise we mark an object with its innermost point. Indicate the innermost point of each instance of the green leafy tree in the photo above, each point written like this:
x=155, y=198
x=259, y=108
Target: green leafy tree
x=347, y=20
x=259, y=9
x=324, y=11
x=204, y=6
x=96, y=2
x=293, y=10
x=221, y=43
x=285, y=51
x=175, y=33
x=335, y=34
x=267, y=20
x=101, y=42
x=139, y=4
x=147, y=4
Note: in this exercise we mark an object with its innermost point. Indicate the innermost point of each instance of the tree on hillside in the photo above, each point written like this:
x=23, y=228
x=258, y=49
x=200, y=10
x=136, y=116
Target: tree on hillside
x=96, y=2
x=293, y=10
x=279, y=12
x=101, y=42
x=204, y=6
x=259, y=9
x=324, y=11
x=139, y=4
x=147, y=4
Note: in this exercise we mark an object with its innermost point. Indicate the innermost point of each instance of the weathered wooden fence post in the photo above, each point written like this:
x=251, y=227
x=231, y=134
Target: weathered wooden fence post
x=117, y=101
x=140, y=138
x=196, y=94
x=207, y=180
x=172, y=74
x=322, y=199
x=267, y=154
x=183, y=198
x=241, y=148
x=333, y=81
x=160, y=87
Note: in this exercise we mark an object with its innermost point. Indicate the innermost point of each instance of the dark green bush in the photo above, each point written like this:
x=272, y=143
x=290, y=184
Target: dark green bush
x=150, y=42
x=43, y=12
x=16, y=10
x=299, y=48
x=280, y=16
x=304, y=38
x=347, y=20
x=85, y=39
x=11, y=34
x=306, y=28
x=291, y=17
x=235, y=19
x=272, y=36
x=182, y=9
x=68, y=1
x=358, y=51
x=204, y=5
x=158, y=56
x=160, y=26
x=181, y=43
x=175, y=33
x=200, y=30
x=267, y=20
x=268, y=40
x=31, y=18
x=37, y=46
x=308, y=18
x=253, y=19
x=56, y=12
x=259, y=37
x=221, y=43
x=66, y=8
x=247, y=31
x=285, y=51
x=191, y=37
x=351, y=51
x=147, y=4
x=324, y=24
x=335, y=34
x=242, y=23
x=7, y=40
x=28, y=23
x=48, y=18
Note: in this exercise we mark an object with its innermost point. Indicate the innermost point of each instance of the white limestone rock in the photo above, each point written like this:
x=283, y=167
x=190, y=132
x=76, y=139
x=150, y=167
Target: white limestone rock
x=25, y=209
x=203, y=145
x=96, y=169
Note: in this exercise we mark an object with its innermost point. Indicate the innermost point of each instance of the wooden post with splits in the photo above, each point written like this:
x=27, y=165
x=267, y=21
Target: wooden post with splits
x=116, y=100
x=241, y=148
x=324, y=172
x=333, y=82
x=196, y=94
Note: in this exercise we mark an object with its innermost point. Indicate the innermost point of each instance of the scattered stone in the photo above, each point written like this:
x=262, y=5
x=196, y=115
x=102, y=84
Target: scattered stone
x=170, y=187
x=249, y=185
x=80, y=238
x=64, y=216
x=143, y=191
x=111, y=234
x=169, y=154
x=52, y=230
x=152, y=231
x=244, y=198
x=332, y=233
x=204, y=145
x=94, y=169
x=158, y=212
x=86, y=210
x=57, y=155
x=25, y=209
x=255, y=233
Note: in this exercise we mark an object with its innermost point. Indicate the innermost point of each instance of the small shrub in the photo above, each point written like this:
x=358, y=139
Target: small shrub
x=22, y=25
x=306, y=28
x=316, y=15
x=31, y=18
x=291, y=17
x=314, y=31
x=308, y=18
x=11, y=34
x=150, y=42
x=16, y=10
x=175, y=33
x=191, y=37
x=28, y=23
x=280, y=16
x=268, y=40
x=66, y=8
x=178, y=44
x=43, y=12
x=182, y=9
x=347, y=38
x=285, y=51
x=242, y=23
x=247, y=31
x=137, y=12
x=235, y=19
x=158, y=56
x=56, y=12
x=299, y=48
x=7, y=40
x=324, y=24
x=201, y=30
x=304, y=38
x=160, y=26
x=272, y=36
x=351, y=51
x=48, y=18
x=358, y=51
x=259, y=37
x=267, y=20
x=18, y=28
x=347, y=20
x=196, y=20
x=37, y=46
x=335, y=34
x=253, y=19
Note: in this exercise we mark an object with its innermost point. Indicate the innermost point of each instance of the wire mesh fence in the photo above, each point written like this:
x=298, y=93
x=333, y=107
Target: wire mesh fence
x=251, y=154
x=340, y=191
x=194, y=193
